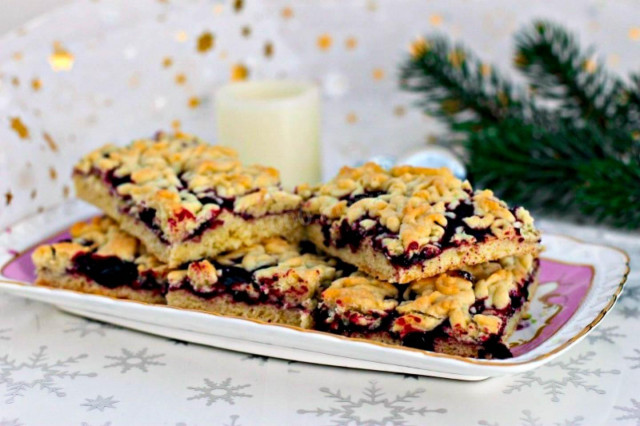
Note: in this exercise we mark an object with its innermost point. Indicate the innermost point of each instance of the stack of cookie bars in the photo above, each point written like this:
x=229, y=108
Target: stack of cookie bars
x=406, y=256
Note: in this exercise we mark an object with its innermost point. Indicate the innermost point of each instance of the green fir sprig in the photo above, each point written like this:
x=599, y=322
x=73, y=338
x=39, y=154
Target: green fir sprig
x=568, y=142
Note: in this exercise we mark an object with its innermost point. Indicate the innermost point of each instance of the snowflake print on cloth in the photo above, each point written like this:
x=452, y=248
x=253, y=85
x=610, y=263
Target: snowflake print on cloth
x=628, y=312
x=4, y=331
x=635, y=359
x=37, y=373
x=372, y=408
x=234, y=421
x=528, y=419
x=631, y=293
x=86, y=328
x=634, y=412
x=129, y=360
x=213, y=392
x=560, y=375
x=100, y=403
x=10, y=422
x=604, y=334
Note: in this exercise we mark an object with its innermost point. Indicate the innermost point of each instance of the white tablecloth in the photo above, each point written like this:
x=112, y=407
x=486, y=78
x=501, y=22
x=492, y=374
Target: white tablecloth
x=58, y=369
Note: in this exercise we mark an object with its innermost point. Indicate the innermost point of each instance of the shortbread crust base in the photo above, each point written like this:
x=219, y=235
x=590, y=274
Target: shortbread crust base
x=85, y=285
x=234, y=233
x=225, y=305
x=376, y=264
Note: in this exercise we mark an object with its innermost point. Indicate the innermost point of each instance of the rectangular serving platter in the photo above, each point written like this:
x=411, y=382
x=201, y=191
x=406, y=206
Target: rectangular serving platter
x=579, y=283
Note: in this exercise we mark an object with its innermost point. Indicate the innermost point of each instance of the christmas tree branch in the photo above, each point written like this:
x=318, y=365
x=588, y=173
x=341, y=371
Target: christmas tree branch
x=559, y=69
x=458, y=88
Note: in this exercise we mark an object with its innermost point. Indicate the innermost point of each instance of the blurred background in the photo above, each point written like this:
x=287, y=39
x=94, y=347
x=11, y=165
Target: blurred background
x=85, y=73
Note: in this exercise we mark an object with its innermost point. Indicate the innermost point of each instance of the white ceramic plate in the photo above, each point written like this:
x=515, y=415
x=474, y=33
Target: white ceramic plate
x=579, y=283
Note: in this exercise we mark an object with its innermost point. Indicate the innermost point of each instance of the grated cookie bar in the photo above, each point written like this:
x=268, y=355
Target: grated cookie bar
x=468, y=312
x=409, y=223
x=271, y=281
x=101, y=259
x=186, y=200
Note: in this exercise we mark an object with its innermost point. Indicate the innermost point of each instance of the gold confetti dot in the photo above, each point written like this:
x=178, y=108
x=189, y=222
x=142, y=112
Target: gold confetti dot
x=17, y=56
x=352, y=118
x=194, y=102
x=456, y=57
x=36, y=84
x=167, y=62
x=176, y=125
x=268, y=49
x=372, y=5
x=287, y=13
x=61, y=59
x=205, y=42
x=238, y=5
x=181, y=36
x=218, y=9
x=435, y=20
x=246, y=31
x=65, y=191
x=419, y=47
x=485, y=70
x=239, y=72
x=181, y=78
x=377, y=74
x=351, y=43
x=8, y=196
x=40, y=209
x=34, y=193
x=590, y=66
x=53, y=174
x=324, y=42
x=634, y=33
x=53, y=146
x=18, y=126
x=399, y=111
x=15, y=81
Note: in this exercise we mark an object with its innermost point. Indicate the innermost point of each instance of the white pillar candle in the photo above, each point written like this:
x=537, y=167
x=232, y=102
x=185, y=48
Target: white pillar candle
x=275, y=123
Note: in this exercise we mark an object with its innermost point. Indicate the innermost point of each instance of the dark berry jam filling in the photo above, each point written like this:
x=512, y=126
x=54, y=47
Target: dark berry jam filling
x=113, y=272
x=353, y=235
x=241, y=285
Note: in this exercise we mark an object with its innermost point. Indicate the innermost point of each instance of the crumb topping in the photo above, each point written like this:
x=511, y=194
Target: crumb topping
x=275, y=265
x=102, y=237
x=413, y=205
x=450, y=296
x=360, y=293
x=187, y=182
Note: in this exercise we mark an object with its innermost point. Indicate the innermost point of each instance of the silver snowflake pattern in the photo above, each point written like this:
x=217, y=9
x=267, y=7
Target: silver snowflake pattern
x=10, y=422
x=213, y=392
x=100, y=403
x=635, y=359
x=372, y=408
x=628, y=312
x=37, y=373
x=631, y=293
x=4, y=331
x=86, y=328
x=528, y=419
x=572, y=372
x=129, y=360
x=604, y=334
x=633, y=412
